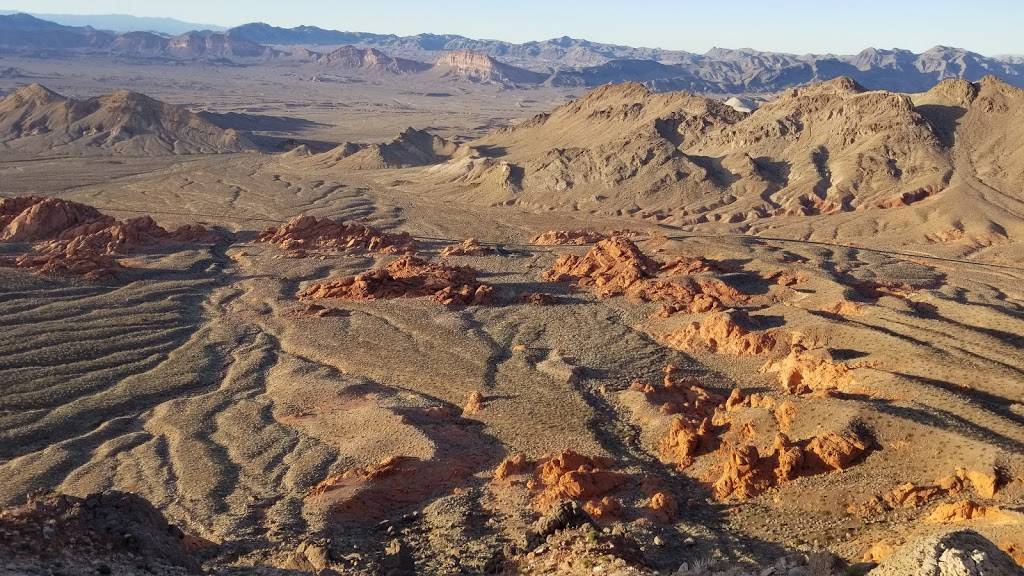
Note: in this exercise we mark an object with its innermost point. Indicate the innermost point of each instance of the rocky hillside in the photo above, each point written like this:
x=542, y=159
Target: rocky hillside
x=833, y=148
x=370, y=59
x=35, y=119
x=481, y=68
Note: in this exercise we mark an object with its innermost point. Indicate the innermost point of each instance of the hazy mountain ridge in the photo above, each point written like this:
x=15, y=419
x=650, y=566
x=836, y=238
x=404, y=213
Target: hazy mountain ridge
x=564, y=62
x=125, y=22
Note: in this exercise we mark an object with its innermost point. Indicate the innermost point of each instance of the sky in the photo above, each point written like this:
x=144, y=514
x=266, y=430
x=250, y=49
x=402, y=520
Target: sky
x=990, y=27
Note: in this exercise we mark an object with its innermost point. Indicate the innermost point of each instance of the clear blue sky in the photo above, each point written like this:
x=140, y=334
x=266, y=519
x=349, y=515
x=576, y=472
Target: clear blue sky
x=986, y=26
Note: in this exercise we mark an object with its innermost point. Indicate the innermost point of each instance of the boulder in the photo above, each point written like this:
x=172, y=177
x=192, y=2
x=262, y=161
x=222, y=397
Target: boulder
x=956, y=553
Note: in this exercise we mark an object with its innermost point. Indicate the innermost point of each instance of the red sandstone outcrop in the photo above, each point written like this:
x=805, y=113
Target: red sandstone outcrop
x=908, y=198
x=33, y=218
x=309, y=233
x=73, y=238
x=568, y=238
x=612, y=267
x=832, y=451
x=573, y=476
x=845, y=308
x=663, y=506
x=474, y=404
x=967, y=510
x=616, y=267
x=746, y=473
x=408, y=277
x=515, y=465
x=985, y=481
x=804, y=370
x=604, y=508
x=724, y=332
x=568, y=475
x=469, y=247
x=909, y=495
x=784, y=415
x=693, y=428
x=539, y=299
x=786, y=278
x=686, y=440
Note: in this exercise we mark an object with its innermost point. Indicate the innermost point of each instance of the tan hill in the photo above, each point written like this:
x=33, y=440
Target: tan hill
x=352, y=58
x=411, y=148
x=483, y=69
x=35, y=119
x=832, y=149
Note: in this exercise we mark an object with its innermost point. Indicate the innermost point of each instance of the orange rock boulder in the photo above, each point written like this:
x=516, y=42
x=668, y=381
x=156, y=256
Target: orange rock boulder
x=568, y=238
x=309, y=232
x=568, y=475
x=805, y=370
x=34, y=218
x=469, y=247
x=408, y=277
x=616, y=267
x=727, y=332
x=613, y=267
x=746, y=473
x=73, y=238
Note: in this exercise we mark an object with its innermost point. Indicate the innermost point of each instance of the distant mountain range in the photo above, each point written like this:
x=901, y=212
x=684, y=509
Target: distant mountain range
x=565, y=62
x=125, y=22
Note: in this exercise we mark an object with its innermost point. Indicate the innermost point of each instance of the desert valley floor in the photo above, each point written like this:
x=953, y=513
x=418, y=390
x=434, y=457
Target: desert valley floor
x=813, y=341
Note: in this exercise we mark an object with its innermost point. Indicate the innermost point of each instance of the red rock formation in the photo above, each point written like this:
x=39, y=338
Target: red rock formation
x=568, y=238
x=680, y=396
x=604, y=508
x=692, y=430
x=475, y=403
x=34, y=218
x=684, y=266
x=567, y=475
x=845, y=308
x=741, y=477
x=366, y=494
x=573, y=476
x=469, y=247
x=985, y=482
x=663, y=506
x=686, y=440
x=786, y=278
x=909, y=495
x=784, y=415
x=908, y=198
x=408, y=277
x=612, y=267
x=967, y=510
x=73, y=238
x=722, y=333
x=539, y=299
x=309, y=232
x=904, y=496
x=835, y=451
x=737, y=400
x=745, y=473
x=616, y=267
x=515, y=465
x=805, y=370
